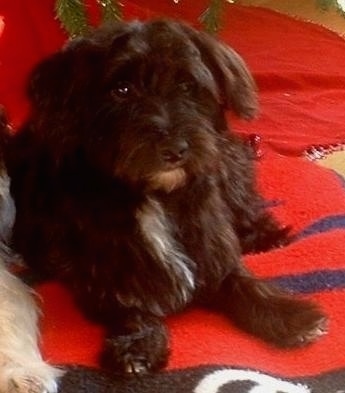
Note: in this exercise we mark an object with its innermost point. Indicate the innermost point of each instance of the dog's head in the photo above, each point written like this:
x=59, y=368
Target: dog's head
x=144, y=102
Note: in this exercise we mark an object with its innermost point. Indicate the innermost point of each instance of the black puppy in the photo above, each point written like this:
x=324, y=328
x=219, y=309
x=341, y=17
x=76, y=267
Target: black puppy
x=131, y=189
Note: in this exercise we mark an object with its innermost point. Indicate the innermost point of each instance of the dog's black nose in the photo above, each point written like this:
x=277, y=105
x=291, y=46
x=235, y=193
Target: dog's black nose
x=175, y=151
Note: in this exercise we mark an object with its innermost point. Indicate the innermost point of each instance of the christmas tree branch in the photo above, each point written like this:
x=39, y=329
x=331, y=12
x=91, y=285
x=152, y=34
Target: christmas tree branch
x=72, y=15
x=211, y=17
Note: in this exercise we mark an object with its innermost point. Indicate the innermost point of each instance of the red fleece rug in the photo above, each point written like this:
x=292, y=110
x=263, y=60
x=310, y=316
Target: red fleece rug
x=300, y=70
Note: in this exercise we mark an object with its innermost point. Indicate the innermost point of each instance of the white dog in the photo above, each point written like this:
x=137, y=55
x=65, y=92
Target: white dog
x=22, y=369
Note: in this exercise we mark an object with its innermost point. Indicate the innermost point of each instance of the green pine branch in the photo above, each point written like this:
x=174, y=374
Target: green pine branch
x=211, y=17
x=72, y=15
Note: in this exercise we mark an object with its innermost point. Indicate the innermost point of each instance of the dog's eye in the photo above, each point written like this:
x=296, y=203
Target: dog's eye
x=122, y=90
x=186, y=87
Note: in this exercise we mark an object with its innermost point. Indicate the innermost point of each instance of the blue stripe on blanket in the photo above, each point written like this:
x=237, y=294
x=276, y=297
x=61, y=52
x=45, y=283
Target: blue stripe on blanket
x=317, y=281
x=341, y=178
x=323, y=225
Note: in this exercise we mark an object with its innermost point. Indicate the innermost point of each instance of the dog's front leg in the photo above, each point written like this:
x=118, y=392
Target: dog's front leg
x=267, y=312
x=136, y=344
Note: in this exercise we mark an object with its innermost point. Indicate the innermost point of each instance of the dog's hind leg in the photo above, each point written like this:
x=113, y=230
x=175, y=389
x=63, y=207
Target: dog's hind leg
x=258, y=231
x=22, y=369
x=267, y=312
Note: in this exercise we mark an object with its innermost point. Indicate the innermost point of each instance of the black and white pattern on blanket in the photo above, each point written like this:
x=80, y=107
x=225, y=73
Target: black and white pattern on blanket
x=208, y=379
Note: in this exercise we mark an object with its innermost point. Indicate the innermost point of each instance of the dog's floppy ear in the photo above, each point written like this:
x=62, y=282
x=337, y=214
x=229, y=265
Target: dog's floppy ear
x=236, y=85
x=67, y=74
x=53, y=81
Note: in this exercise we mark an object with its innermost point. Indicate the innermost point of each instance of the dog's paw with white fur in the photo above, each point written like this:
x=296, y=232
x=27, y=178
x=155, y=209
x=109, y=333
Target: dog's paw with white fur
x=38, y=377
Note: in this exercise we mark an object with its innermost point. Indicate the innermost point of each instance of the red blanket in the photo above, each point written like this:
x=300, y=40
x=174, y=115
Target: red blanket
x=300, y=70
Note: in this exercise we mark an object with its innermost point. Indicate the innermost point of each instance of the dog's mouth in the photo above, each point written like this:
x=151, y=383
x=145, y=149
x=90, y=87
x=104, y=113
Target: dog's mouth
x=168, y=180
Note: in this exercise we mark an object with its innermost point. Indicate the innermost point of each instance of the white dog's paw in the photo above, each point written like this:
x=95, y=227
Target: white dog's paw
x=34, y=378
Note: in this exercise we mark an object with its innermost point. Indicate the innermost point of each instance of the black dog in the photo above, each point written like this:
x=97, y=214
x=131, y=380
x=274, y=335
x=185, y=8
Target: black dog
x=132, y=190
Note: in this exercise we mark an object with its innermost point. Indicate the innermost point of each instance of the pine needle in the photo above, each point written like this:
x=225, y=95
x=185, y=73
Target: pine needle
x=211, y=17
x=111, y=10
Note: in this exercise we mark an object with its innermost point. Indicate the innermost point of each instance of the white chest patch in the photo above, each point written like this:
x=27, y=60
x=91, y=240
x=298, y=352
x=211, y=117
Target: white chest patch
x=157, y=231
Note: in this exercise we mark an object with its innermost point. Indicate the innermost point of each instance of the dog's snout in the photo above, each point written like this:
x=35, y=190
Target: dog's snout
x=175, y=152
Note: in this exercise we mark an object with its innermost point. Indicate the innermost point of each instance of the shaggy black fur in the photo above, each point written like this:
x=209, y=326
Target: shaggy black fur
x=132, y=190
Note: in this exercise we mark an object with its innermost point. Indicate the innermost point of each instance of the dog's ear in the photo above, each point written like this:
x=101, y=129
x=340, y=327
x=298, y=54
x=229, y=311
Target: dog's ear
x=53, y=81
x=70, y=72
x=236, y=85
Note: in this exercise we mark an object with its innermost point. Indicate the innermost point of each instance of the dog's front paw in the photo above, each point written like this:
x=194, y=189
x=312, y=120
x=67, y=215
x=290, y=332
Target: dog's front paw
x=137, y=353
x=33, y=377
x=136, y=364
